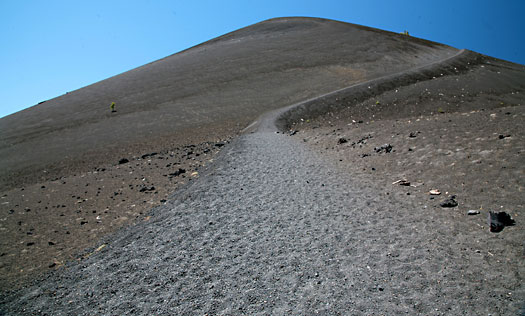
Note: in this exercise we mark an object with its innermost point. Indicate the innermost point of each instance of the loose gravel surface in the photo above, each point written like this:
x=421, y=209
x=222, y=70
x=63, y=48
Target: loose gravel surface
x=274, y=229
x=62, y=183
x=46, y=224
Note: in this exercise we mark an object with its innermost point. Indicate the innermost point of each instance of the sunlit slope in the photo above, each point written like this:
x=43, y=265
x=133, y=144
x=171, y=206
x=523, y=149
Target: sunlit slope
x=225, y=82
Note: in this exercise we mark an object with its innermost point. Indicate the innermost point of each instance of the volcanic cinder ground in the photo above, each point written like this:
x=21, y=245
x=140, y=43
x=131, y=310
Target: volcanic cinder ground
x=285, y=168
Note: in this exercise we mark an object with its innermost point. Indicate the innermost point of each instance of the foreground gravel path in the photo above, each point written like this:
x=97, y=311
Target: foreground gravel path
x=273, y=229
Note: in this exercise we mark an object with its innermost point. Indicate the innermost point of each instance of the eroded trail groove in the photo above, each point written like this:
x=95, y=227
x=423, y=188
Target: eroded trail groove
x=275, y=230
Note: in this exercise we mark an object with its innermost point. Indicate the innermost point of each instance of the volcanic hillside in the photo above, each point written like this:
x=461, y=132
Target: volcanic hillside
x=204, y=93
x=296, y=166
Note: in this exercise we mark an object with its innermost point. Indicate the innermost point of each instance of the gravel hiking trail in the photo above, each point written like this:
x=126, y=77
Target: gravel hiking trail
x=273, y=229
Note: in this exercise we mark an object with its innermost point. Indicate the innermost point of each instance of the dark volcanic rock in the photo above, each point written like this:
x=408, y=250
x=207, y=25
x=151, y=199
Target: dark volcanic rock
x=413, y=134
x=450, y=202
x=177, y=173
x=148, y=155
x=498, y=221
x=386, y=148
x=146, y=189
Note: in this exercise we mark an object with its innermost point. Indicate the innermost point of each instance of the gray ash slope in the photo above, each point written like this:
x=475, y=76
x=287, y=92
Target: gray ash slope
x=272, y=229
x=275, y=229
x=228, y=81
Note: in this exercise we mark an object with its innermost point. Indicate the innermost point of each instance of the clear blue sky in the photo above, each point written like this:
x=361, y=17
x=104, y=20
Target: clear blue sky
x=50, y=47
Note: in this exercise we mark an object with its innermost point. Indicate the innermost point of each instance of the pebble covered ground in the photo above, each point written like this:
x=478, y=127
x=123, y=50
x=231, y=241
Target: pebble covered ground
x=335, y=217
x=273, y=228
x=46, y=224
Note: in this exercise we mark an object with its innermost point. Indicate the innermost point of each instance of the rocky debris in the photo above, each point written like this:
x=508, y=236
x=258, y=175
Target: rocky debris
x=501, y=136
x=123, y=161
x=177, y=173
x=386, y=148
x=146, y=189
x=361, y=141
x=473, y=212
x=148, y=155
x=449, y=202
x=413, y=134
x=434, y=192
x=342, y=140
x=293, y=132
x=498, y=220
x=220, y=144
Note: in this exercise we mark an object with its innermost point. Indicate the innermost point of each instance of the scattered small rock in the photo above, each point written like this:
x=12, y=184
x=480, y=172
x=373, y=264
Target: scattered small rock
x=177, y=173
x=434, y=192
x=148, y=155
x=220, y=144
x=498, y=221
x=473, y=212
x=123, y=161
x=386, y=148
x=450, y=202
x=293, y=132
x=501, y=136
x=413, y=134
x=145, y=189
x=342, y=140
x=361, y=141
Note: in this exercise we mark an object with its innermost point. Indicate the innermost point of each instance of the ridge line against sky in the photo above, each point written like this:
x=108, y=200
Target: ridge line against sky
x=52, y=47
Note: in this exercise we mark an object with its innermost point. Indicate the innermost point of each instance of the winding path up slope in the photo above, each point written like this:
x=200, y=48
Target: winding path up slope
x=274, y=229
x=206, y=92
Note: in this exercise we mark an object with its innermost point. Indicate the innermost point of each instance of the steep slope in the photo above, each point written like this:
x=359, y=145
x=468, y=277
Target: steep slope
x=61, y=183
x=217, y=87
x=275, y=228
